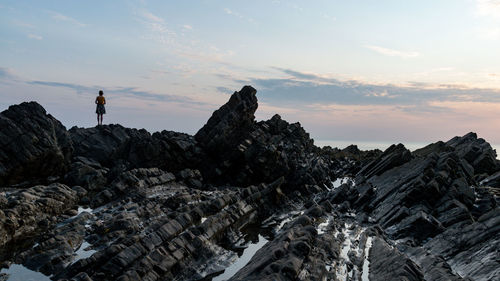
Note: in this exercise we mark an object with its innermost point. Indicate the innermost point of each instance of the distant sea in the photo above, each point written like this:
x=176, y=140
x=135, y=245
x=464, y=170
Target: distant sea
x=366, y=145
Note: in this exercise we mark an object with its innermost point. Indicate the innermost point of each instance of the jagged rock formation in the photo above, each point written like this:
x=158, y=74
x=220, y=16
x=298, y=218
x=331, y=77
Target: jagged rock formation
x=433, y=207
x=246, y=152
x=112, y=203
x=229, y=122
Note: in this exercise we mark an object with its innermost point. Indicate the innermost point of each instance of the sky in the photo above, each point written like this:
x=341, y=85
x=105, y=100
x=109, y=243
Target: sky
x=366, y=71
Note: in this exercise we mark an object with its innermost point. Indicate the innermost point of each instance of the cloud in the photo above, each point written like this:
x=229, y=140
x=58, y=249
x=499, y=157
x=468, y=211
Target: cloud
x=159, y=28
x=384, y=93
x=330, y=108
x=225, y=90
x=297, y=74
x=238, y=15
x=24, y=24
x=439, y=69
x=135, y=92
x=184, y=69
x=148, y=15
x=392, y=52
x=195, y=54
x=60, y=17
x=78, y=88
x=205, y=55
x=300, y=89
x=328, y=17
x=489, y=33
x=229, y=12
x=490, y=8
x=34, y=36
x=5, y=73
x=490, y=11
x=296, y=7
x=120, y=92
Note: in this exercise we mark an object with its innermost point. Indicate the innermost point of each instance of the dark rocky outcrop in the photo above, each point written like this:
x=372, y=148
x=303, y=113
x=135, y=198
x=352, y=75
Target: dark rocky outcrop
x=246, y=152
x=477, y=152
x=113, y=144
x=229, y=122
x=434, y=201
x=493, y=181
x=33, y=144
x=350, y=159
x=388, y=263
x=394, y=156
x=284, y=257
x=25, y=213
x=113, y=203
x=103, y=143
x=86, y=173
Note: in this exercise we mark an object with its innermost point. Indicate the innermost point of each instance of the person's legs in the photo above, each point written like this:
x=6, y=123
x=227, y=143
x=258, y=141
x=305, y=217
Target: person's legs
x=101, y=118
x=98, y=119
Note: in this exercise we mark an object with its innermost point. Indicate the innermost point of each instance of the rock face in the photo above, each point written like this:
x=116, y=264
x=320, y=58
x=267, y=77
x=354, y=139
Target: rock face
x=241, y=200
x=33, y=144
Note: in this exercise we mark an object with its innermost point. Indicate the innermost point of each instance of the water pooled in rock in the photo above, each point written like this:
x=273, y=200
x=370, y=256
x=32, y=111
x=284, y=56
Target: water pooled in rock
x=242, y=260
x=84, y=252
x=18, y=272
x=366, y=262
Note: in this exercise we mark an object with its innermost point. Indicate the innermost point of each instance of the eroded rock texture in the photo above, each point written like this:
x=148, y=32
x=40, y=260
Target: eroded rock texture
x=241, y=200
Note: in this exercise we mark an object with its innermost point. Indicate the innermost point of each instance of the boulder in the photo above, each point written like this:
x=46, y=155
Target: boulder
x=33, y=144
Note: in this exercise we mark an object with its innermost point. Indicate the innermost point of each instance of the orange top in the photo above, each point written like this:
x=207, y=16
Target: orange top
x=100, y=100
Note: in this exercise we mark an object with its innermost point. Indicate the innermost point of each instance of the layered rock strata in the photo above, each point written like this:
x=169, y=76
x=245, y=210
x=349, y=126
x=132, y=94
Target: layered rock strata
x=113, y=203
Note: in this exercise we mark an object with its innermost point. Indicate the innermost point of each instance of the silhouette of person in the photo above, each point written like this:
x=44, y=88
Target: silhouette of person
x=100, y=109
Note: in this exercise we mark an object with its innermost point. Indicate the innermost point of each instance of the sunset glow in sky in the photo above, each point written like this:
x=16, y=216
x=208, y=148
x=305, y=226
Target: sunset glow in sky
x=395, y=71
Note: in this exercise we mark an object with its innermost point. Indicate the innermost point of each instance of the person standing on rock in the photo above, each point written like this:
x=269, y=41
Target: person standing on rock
x=100, y=109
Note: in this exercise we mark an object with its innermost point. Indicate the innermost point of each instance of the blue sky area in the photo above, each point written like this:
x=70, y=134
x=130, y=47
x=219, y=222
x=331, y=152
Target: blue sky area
x=388, y=71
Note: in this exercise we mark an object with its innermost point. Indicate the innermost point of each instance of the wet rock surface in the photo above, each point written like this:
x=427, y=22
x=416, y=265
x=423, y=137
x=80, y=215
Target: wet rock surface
x=28, y=210
x=241, y=200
